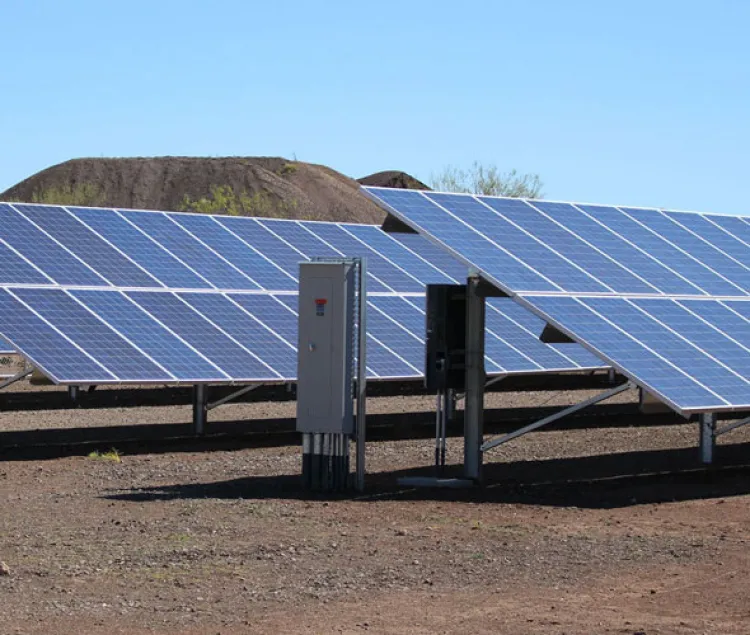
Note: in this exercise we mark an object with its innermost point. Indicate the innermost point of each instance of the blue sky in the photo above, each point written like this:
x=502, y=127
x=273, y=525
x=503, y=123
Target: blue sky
x=637, y=102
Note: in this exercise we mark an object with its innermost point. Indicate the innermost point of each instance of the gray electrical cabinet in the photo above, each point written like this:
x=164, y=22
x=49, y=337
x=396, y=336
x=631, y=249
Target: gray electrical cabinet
x=325, y=363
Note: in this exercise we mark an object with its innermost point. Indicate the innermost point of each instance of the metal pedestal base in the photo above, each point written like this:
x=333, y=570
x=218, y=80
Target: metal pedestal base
x=200, y=409
x=325, y=462
x=707, y=437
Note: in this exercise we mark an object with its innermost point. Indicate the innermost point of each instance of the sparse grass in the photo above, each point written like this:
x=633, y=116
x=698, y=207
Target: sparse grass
x=86, y=194
x=110, y=455
x=224, y=200
x=288, y=168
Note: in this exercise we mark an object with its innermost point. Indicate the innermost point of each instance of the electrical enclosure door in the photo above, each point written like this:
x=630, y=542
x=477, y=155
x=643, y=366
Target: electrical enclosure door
x=445, y=325
x=325, y=362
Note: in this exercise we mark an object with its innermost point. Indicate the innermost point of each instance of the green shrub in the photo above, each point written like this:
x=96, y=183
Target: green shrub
x=224, y=200
x=86, y=194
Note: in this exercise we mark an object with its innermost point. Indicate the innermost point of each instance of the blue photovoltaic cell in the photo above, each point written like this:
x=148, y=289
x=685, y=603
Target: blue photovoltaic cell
x=150, y=336
x=5, y=347
x=660, y=277
x=45, y=347
x=272, y=247
x=642, y=364
x=434, y=221
x=692, y=328
x=45, y=253
x=240, y=254
x=719, y=237
x=266, y=309
x=568, y=245
x=201, y=335
x=295, y=234
x=15, y=269
x=378, y=266
x=699, y=249
x=729, y=386
x=538, y=354
x=505, y=235
x=722, y=317
x=662, y=250
x=141, y=249
x=406, y=315
x=247, y=331
x=386, y=365
x=99, y=340
x=742, y=308
x=534, y=326
x=397, y=253
x=89, y=247
x=405, y=345
x=440, y=258
x=179, y=242
x=734, y=225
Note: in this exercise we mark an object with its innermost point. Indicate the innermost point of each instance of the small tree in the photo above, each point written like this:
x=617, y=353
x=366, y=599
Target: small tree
x=487, y=180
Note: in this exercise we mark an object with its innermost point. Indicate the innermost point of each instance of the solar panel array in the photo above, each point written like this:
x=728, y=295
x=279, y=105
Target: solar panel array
x=664, y=296
x=123, y=296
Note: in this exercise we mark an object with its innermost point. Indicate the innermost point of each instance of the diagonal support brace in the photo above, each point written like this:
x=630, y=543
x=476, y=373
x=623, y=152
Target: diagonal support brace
x=18, y=377
x=558, y=415
x=732, y=426
x=235, y=395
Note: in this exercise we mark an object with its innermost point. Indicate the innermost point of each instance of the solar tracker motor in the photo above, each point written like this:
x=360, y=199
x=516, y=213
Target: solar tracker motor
x=325, y=413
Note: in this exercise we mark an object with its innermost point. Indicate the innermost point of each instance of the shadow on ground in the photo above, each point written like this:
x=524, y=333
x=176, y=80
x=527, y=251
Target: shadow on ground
x=601, y=481
x=33, y=445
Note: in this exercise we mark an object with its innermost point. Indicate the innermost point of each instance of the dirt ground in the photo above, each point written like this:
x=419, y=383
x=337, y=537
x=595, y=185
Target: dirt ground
x=603, y=525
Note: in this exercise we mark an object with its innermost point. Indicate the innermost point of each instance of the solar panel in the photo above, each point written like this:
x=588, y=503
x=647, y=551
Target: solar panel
x=160, y=297
x=663, y=296
x=46, y=254
x=142, y=249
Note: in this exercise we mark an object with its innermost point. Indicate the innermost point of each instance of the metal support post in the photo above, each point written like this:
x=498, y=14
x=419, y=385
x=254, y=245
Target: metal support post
x=73, y=393
x=200, y=409
x=707, y=437
x=475, y=379
x=611, y=376
x=361, y=415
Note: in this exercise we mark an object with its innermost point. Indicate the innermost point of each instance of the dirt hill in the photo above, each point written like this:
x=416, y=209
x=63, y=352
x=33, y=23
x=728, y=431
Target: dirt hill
x=250, y=186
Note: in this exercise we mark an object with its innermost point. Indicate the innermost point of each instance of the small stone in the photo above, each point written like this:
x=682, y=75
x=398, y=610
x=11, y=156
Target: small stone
x=4, y=569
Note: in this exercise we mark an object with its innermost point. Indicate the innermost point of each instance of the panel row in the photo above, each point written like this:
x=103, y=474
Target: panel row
x=109, y=336
x=692, y=353
x=542, y=246
x=42, y=244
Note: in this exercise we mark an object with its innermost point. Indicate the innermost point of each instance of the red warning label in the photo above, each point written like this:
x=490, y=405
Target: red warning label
x=320, y=306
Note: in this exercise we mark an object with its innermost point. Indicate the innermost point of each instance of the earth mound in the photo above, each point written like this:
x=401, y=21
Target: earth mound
x=393, y=178
x=248, y=186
